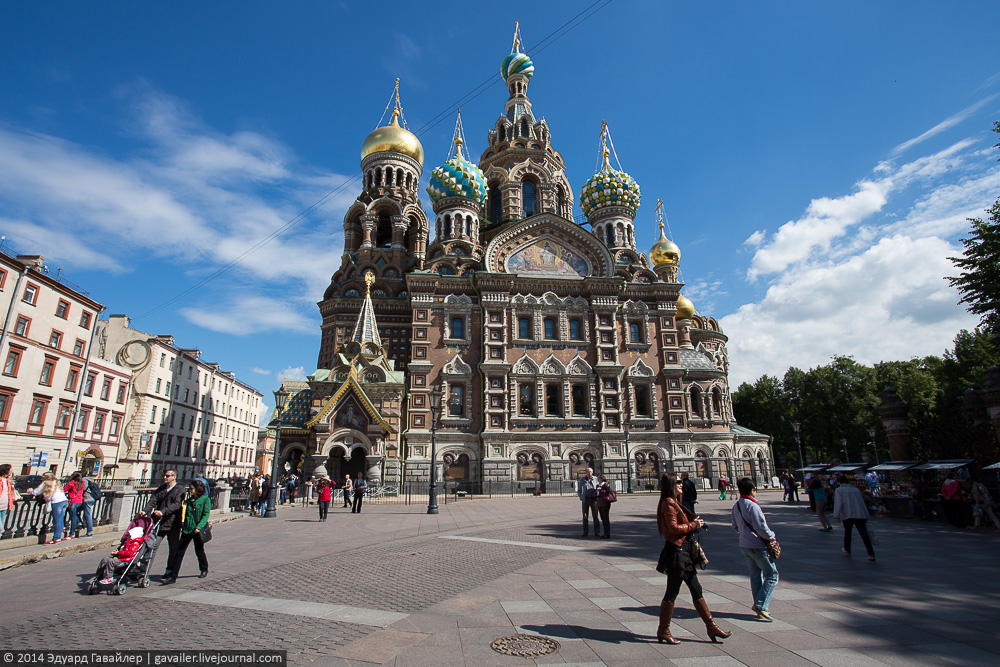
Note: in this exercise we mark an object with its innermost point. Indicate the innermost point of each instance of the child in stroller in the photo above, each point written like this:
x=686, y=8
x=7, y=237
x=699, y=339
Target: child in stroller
x=130, y=561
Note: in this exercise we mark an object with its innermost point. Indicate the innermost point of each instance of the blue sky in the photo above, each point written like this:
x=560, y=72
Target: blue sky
x=817, y=161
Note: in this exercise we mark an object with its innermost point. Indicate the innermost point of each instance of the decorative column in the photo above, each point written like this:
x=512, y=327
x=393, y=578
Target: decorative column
x=893, y=412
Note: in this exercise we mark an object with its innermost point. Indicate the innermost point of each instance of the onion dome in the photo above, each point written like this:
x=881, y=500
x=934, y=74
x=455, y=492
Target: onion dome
x=664, y=251
x=516, y=63
x=685, y=309
x=395, y=139
x=457, y=178
x=609, y=187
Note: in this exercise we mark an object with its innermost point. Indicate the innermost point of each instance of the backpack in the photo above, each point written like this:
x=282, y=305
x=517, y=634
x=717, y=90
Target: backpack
x=94, y=491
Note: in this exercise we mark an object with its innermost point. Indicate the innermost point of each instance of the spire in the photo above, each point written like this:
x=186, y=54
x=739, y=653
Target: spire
x=366, y=328
x=516, y=48
x=604, y=146
x=458, y=137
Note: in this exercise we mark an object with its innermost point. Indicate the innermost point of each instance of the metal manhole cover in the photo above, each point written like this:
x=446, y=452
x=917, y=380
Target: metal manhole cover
x=525, y=646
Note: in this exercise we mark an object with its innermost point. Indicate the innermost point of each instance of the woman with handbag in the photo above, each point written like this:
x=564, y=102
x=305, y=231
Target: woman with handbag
x=605, y=496
x=758, y=546
x=51, y=491
x=194, y=520
x=679, y=559
x=74, y=493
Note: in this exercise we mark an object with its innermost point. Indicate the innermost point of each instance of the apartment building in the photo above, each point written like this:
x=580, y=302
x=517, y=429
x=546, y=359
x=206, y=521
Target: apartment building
x=60, y=409
x=183, y=413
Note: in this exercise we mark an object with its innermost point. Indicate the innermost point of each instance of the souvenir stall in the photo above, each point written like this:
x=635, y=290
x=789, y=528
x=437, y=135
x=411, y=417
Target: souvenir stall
x=897, y=487
x=933, y=475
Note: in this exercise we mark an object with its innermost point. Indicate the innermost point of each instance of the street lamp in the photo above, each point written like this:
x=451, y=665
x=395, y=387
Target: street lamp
x=871, y=438
x=280, y=398
x=843, y=448
x=432, y=496
x=798, y=442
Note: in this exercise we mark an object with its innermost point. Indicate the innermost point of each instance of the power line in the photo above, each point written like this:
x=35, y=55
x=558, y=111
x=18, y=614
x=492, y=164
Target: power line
x=554, y=36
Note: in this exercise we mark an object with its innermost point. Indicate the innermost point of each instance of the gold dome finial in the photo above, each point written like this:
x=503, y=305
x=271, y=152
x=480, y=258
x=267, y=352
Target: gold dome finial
x=664, y=251
x=369, y=281
x=393, y=137
x=605, y=153
x=517, y=38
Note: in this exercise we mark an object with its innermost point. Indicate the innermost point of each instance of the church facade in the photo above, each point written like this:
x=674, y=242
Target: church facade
x=556, y=344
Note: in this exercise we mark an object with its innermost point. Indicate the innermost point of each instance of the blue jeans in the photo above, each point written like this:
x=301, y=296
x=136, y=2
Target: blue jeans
x=763, y=576
x=3, y=520
x=88, y=515
x=58, y=519
x=74, y=517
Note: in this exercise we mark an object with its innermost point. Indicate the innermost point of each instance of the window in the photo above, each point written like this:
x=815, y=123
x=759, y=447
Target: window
x=85, y=320
x=633, y=332
x=457, y=327
x=578, y=395
x=187, y=395
x=552, y=402
x=78, y=347
x=121, y=392
x=456, y=400
x=550, y=328
x=62, y=310
x=99, y=423
x=21, y=328
x=106, y=389
x=74, y=374
x=81, y=422
x=575, y=330
x=642, y=402
x=163, y=360
x=5, y=402
x=30, y=294
x=47, y=369
x=158, y=381
x=13, y=361
x=524, y=327
x=65, y=415
x=37, y=416
x=88, y=386
x=115, y=422
x=495, y=204
x=526, y=395
x=528, y=199
x=55, y=339
x=152, y=416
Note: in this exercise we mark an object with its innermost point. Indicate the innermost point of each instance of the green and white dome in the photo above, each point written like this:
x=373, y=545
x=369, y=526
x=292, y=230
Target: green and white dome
x=609, y=188
x=457, y=178
x=516, y=63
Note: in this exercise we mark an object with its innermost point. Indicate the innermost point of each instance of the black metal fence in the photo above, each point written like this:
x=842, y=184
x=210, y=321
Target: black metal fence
x=29, y=518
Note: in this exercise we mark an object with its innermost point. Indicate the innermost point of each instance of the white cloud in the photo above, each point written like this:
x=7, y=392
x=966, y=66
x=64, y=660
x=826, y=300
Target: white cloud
x=260, y=371
x=251, y=314
x=942, y=126
x=293, y=373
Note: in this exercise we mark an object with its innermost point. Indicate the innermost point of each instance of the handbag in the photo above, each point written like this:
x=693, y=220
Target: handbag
x=771, y=545
x=609, y=496
x=206, y=533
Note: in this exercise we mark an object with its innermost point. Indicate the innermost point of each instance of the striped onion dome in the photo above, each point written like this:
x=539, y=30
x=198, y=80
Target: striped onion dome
x=516, y=63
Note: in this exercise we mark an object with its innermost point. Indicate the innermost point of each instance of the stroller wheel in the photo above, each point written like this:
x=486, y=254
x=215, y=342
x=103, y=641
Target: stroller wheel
x=119, y=589
x=94, y=588
x=144, y=582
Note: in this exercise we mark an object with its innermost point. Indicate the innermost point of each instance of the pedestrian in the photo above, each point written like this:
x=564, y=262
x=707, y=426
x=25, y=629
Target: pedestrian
x=984, y=505
x=586, y=489
x=850, y=509
x=348, y=490
x=723, y=485
x=253, y=499
x=690, y=496
x=794, y=486
x=818, y=491
x=324, y=493
x=7, y=495
x=292, y=488
x=680, y=558
x=91, y=495
x=125, y=553
x=165, y=506
x=755, y=534
x=951, y=500
x=197, y=507
x=359, y=493
x=605, y=496
x=266, y=489
x=55, y=501
x=74, y=493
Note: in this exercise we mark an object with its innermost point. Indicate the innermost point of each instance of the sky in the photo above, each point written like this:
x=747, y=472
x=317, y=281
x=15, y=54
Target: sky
x=189, y=164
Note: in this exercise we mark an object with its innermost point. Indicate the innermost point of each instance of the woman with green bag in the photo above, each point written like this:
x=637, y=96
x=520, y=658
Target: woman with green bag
x=194, y=519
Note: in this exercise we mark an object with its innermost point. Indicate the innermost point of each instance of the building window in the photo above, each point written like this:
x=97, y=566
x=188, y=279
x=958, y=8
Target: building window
x=78, y=347
x=12, y=363
x=5, y=403
x=65, y=415
x=633, y=332
x=152, y=416
x=496, y=206
x=55, y=339
x=21, y=328
x=30, y=294
x=106, y=389
x=524, y=327
x=578, y=395
x=528, y=204
x=71, y=379
x=642, y=402
x=37, y=416
x=85, y=320
x=552, y=402
x=98, y=423
x=47, y=369
x=81, y=422
x=456, y=400
x=457, y=327
x=575, y=330
x=113, y=431
x=549, y=325
x=696, y=401
x=62, y=310
x=158, y=380
x=526, y=395
x=88, y=386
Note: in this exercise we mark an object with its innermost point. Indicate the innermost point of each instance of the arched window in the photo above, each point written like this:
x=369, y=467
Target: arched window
x=633, y=332
x=501, y=134
x=409, y=181
x=384, y=232
x=528, y=198
x=526, y=396
x=552, y=402
x=496, y=206
x=378, y=178
x=560, y=200
x=578, y=395
x=457, y=327
x=524, y=327
x=456, y=400
x=575, y=332
x=550, y=328
x=447, y=226
x=717, y=402
x=611, y=235
x=696, y=401
x=524, y=127
x=399, y=178
x=642, y=402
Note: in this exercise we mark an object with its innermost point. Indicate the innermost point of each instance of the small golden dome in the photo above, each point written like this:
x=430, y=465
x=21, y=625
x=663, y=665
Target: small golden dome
x=664, y=251
x=685, y=309
x=395, y=139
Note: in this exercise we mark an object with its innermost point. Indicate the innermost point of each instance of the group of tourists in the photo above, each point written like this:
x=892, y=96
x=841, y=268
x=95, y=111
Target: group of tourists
x=77, y=499
x=353, y=493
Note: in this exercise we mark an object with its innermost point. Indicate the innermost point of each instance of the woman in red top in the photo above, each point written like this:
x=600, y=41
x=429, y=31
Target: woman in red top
x=677, y=524
x=324, y=493
x=74, y=492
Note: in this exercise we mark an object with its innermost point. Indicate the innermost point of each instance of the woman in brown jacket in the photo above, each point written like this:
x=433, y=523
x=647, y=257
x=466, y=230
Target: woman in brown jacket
x=679, y=558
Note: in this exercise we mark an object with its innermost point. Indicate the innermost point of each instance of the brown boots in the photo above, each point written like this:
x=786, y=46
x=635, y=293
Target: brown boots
x=663, y=632
x=713, y=630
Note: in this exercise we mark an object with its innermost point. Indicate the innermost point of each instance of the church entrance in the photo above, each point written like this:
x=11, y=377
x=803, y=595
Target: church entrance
x=338, y=465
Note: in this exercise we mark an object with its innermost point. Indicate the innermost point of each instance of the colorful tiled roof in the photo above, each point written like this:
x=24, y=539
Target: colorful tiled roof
x=609, y=188
x=296, y=411
x=457, y=178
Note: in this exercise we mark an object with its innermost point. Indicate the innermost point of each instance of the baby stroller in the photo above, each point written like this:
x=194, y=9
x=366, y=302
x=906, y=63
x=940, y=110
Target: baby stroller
x=136, y=569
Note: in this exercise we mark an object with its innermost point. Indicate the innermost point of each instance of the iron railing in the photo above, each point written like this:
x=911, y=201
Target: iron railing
x=30, y=518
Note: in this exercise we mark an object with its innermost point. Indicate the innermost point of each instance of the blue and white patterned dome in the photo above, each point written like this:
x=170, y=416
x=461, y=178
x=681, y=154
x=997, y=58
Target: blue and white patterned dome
x=516, y=63
x=457, y=178
x=609, y=188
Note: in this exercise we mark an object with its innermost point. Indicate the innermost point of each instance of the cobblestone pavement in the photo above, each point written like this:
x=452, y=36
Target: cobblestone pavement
x=410, y=597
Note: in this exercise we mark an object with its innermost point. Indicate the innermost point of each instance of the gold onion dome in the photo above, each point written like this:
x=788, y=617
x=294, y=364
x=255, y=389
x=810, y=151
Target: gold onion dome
x=664, y=251
x=685, y=309
x=395, y=139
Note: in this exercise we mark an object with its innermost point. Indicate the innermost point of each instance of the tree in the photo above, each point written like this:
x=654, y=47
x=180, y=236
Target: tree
x=979, y=281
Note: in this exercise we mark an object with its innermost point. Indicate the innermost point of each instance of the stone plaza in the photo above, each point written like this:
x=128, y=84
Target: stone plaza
x=407, y=588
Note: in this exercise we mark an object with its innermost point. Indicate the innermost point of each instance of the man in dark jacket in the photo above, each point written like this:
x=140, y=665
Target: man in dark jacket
x=165, y=506
x=690, y=496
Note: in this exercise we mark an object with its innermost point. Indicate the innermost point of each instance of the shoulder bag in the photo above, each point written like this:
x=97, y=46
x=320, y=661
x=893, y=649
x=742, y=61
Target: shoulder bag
x=771, y=545
x=206, y=533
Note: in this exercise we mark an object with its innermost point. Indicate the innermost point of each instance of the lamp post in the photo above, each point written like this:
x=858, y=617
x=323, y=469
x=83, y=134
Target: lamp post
x=843, y=448
x=432, y=496
x=798, y=442
x=871, y=438
x=280, y=398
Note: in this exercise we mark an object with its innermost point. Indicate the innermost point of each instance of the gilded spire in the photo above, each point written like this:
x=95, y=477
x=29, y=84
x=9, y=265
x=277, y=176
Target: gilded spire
x=517, y=38
x=366, y=328
x=604, y=146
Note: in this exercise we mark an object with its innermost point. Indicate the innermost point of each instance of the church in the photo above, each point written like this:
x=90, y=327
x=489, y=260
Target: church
x=551, y=344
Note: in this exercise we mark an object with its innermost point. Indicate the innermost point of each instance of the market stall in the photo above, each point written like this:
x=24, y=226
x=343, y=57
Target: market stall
x=934, y=473
x=896, y=487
